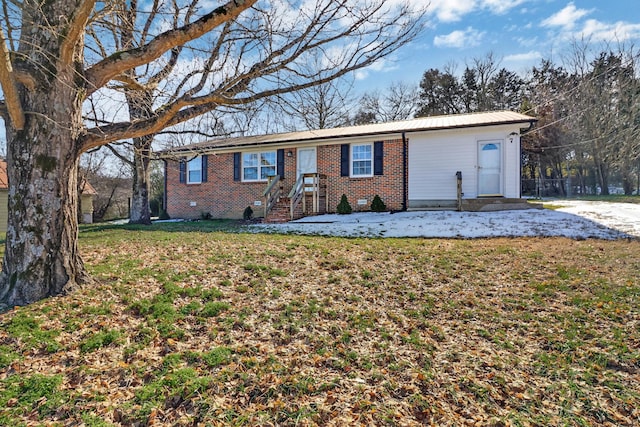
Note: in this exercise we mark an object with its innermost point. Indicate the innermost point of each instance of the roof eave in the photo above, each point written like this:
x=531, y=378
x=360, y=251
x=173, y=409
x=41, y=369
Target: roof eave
x=279, y=143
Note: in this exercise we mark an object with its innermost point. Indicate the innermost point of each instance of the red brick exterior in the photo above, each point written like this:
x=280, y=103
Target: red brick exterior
x=222, y=197
x=389, y=186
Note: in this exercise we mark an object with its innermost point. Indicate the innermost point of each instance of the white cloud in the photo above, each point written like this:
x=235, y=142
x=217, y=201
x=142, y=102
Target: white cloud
x=620, y=31
x=455, y=10
x=531, y=56
x=566, y=18
x=451, y=10
x=361, y=74
x=459, y=38
x=500, y=7
x=568, y=21
x=528, y=42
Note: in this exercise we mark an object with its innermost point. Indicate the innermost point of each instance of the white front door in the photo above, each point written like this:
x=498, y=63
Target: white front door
x=307, y=162
x=490, y=168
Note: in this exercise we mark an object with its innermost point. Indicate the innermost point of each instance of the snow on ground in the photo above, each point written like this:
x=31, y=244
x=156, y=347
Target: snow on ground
x=574, y=219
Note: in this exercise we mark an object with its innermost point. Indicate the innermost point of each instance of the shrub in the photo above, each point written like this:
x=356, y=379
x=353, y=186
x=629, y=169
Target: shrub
x=247, y=214
x=163, y=215
x=377, y=205
x=205, y=216
x=344, y=207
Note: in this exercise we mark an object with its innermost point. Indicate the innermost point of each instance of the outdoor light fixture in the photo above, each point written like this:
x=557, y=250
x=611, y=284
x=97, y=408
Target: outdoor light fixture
x=289, y=153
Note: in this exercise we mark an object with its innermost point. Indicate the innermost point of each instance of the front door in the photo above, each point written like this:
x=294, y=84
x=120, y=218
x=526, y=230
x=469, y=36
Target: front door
x=306, y=162
x=490, y=168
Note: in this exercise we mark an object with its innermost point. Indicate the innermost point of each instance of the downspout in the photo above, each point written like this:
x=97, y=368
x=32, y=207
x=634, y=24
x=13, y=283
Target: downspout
x=405, y=175
x=520, y=170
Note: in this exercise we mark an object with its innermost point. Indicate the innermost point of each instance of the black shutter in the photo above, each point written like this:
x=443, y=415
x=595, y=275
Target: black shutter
x=378, y=157
x=280, y=164
x=236, y=166
x=344, y=160
x=183, y=170
x=205, y=166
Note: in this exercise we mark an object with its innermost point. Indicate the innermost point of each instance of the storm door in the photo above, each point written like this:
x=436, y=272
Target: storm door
x=490, y=168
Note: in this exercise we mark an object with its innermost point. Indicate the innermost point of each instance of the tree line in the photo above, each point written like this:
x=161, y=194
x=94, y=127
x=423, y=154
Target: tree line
x=586, y=141
x=587, y=138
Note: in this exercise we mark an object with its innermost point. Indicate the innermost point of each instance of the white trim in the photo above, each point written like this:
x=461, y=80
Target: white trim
x=259, y=166
x=353, y=175
x=500, y=147
x=196, y=160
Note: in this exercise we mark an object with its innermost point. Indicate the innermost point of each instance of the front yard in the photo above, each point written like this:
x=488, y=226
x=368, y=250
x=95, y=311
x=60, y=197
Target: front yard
x=185, y=327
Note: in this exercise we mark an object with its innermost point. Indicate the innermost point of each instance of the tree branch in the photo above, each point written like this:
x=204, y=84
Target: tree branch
x=99, y=74
x=9, y=87
x=75, y=30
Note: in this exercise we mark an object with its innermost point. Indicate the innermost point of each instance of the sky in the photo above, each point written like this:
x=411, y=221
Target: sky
x=519, y=33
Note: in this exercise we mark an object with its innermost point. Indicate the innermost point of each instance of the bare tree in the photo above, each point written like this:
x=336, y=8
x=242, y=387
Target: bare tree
x=399, y=101
x=50, y=70
x=319, y=107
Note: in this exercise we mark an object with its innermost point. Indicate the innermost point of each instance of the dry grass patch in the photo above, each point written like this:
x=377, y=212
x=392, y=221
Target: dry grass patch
x=237, y=329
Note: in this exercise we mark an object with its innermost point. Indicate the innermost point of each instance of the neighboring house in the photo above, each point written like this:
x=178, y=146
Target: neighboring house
x=86, y=199
x=87, y=194
x=447, y=162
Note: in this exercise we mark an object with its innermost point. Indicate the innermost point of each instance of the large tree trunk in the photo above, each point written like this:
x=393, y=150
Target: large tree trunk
x=140, y=105
x=140, y=213
x=41, y=257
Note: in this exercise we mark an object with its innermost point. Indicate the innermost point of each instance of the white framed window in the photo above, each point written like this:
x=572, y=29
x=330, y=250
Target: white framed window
x=194, y=171
x=258, y=166
x=361, y=160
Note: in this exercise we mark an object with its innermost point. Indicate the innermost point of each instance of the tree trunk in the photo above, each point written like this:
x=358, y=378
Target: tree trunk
x=140, y=103
x=140, y=213
x=41, y=257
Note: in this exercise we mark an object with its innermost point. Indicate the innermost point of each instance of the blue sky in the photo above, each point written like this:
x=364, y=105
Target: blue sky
x=519, y=33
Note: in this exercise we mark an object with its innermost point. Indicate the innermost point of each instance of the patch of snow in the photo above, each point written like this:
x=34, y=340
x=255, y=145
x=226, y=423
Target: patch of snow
x=575, y=219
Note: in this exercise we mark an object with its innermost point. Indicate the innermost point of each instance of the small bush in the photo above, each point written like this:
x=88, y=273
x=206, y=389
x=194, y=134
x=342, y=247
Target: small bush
x=163, y=215
x=344, y=207
x=205, y=216
x=377, y=205
x=247, y=214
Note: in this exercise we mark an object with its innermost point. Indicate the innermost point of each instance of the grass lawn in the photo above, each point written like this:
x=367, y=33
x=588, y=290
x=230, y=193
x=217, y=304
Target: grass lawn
x=185, y=327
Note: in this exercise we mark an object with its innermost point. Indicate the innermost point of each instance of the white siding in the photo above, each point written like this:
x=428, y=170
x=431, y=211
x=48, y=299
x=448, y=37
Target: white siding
x=435, y=157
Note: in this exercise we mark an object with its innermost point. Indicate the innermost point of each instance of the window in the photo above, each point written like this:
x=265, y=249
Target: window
x=194, y=171
x=362, y=160
x=258, y=166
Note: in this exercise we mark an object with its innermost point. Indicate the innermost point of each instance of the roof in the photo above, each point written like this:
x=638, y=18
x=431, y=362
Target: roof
x=453, y=121
x=87, y=188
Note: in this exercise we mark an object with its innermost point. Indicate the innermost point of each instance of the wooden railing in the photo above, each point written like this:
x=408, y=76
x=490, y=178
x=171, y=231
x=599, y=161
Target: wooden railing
x=296, y=195
x=272, y=193
x=312, y=184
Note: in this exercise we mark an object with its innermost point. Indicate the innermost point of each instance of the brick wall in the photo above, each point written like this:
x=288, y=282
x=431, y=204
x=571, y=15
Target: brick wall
x=389, y=185
x=222, y=197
